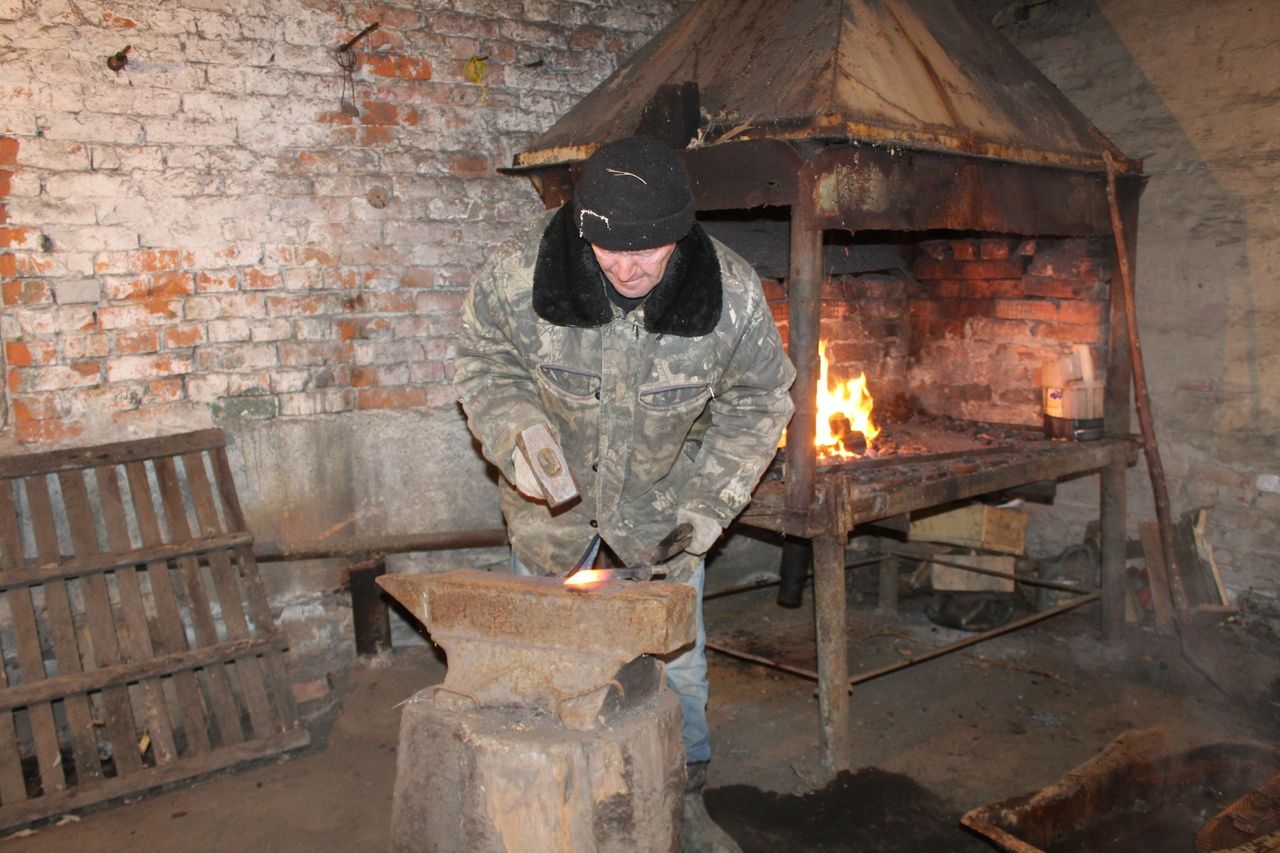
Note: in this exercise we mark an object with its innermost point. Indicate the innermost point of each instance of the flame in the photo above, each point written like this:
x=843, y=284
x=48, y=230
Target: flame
x=586, y=577
x=840, y=404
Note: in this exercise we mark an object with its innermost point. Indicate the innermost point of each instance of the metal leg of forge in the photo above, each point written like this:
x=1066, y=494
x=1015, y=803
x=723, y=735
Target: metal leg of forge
x=833, y=657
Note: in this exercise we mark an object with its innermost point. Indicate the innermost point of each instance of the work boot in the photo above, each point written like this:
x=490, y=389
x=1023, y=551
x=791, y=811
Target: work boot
x=699, y=833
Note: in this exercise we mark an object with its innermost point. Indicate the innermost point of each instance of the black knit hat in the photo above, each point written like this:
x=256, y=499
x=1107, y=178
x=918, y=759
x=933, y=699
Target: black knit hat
x=633, y=194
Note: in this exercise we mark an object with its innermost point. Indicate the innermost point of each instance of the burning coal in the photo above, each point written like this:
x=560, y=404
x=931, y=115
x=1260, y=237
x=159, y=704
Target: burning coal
x=844, y=428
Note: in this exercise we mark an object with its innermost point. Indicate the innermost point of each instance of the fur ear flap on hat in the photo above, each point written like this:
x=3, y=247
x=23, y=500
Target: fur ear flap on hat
x=633, y=194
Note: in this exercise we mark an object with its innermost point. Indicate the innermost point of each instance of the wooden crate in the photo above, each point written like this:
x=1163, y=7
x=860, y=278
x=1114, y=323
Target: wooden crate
x=975, y=526
x=137, y=642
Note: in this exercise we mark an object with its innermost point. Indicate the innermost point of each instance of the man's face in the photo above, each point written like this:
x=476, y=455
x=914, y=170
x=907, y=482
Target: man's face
x=635, y=273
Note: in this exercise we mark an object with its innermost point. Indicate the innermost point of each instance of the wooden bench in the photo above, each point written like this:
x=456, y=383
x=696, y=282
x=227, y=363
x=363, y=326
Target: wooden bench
x=138, y=647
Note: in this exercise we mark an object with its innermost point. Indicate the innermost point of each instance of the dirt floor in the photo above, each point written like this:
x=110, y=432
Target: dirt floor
x=932, y=741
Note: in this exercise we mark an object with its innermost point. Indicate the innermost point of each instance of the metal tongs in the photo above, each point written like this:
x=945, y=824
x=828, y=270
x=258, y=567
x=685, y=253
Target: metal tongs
x=652, y=561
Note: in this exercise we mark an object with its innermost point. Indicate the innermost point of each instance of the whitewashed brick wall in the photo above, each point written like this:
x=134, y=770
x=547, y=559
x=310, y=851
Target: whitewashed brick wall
x=189, y=238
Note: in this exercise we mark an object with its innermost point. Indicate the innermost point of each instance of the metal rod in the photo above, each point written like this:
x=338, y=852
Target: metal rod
x=763, y=584
x=1064, y=587
x=361, y=545
x=927, y=656
x=358, y=36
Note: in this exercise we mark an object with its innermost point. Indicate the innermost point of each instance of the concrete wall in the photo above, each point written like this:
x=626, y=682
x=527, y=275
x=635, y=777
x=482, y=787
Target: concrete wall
x=197, y=239
x=1190, y=88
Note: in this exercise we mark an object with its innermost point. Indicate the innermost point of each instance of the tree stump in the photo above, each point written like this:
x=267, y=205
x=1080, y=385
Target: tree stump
x=515, y=779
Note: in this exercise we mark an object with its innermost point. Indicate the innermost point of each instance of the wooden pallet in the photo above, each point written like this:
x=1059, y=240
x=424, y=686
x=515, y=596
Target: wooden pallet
x=137, y=643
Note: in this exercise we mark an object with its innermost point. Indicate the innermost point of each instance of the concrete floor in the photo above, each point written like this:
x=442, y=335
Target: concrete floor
x=1002, y=718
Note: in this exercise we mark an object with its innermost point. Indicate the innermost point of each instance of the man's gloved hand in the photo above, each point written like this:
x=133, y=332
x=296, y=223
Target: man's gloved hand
x=525, y=482
x=706, y=530
x=681, y=567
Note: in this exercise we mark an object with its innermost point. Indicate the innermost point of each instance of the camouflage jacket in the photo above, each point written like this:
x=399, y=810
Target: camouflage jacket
x=677, y=404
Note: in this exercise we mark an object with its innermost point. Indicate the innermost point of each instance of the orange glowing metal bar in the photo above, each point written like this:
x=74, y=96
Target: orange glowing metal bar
x=586, y=577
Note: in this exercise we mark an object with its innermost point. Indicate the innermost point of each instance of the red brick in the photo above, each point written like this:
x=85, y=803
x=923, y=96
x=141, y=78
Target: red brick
x=403, y=67
x=5, y=181
x=371, y=136
x=1067, y=333
x=585, y=38
x=993, y=248
x=119, y=22
x=219, y=281
x=13, y=237
x=964, y=250
x=256, y=278
x=8, y=265
x=927, y=268
x=18, y=354
x=183, y=336
x=133, y=343
x=8, y=151
x=35, y=407
x=384, y=113
x=172, y=284
x=165, y=390
x=50, y=429
x=1060, y=288
x=26, y=291
x=395, y=17
x=391, y=398
x=469, y=166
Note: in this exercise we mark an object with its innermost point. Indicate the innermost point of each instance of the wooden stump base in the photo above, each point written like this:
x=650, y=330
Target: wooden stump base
x=498, y=779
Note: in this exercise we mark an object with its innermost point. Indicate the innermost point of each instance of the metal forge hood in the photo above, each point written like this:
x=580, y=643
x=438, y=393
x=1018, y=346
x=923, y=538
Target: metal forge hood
x=921, y=74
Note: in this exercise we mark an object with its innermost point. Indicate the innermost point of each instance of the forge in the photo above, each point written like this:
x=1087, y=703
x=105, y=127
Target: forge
x=554, y=728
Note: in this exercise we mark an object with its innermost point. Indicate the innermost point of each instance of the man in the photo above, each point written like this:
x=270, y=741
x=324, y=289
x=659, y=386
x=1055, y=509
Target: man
x=649, y=350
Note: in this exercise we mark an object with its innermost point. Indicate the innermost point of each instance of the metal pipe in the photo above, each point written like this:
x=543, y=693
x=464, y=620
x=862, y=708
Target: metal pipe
x=927, y=656
x=360, y=546
x=762, y=584
x=1058, y=585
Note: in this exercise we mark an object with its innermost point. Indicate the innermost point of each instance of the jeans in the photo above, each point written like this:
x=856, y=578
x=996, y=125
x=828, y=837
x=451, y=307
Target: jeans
x=686, y=672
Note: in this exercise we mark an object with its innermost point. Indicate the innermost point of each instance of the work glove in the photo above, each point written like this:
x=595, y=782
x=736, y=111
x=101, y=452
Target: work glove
x=681, y=567
x=706, y=530
x=525, y=482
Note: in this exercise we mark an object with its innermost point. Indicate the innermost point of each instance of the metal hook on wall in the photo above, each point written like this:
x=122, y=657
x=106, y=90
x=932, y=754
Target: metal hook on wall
x=347, y=62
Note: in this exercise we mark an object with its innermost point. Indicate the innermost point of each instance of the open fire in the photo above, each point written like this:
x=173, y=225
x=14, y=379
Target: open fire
x=844, y=428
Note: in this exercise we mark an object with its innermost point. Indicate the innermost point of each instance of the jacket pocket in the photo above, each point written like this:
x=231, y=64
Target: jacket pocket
x=572, y=381
x=661, y=398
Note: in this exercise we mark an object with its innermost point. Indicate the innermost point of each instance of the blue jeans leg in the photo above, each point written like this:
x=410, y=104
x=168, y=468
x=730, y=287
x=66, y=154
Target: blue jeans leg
x=687, y=678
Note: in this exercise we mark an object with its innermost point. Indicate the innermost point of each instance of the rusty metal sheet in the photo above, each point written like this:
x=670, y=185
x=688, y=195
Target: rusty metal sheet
x=917, y=74
x=862, y=188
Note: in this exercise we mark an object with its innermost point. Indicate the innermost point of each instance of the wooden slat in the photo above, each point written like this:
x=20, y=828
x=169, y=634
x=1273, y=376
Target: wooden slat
x=259, y=609
x=198, y=606
x=104, y=647
x=151, y=777
x=127, y=673
x=71, y=567
x=127, y=655
x=30, y=658
x=251, y=673
x=135, y=635
x=172, y=637
x=62, y=630
x=119, y=452
x=12, y=786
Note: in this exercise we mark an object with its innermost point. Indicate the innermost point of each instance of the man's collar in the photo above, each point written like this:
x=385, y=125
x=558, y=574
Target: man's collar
x=567, y=291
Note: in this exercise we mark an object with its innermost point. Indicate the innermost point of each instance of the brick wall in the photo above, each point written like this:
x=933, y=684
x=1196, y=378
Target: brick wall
x=967, y=329
x=198, y=236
